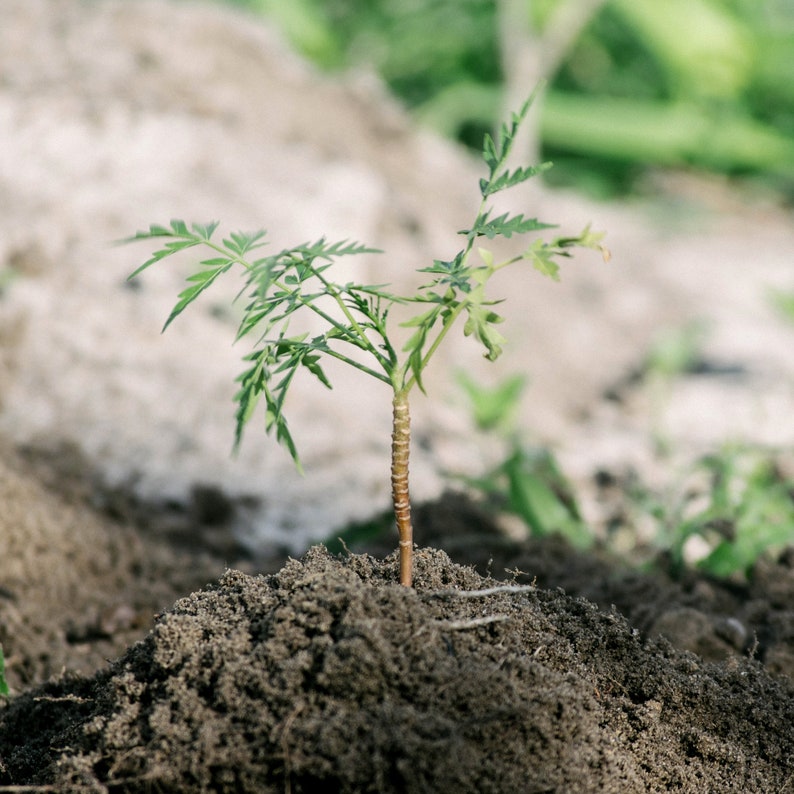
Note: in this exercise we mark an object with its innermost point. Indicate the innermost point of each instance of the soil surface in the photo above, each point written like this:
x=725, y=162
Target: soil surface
x=325, y=675
x=156, y=635
x=115, y=115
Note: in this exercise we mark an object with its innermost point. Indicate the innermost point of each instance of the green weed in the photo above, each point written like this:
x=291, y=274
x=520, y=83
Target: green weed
x=528, y=482
x=736, y=505
x=743, y=511
x=676, y=351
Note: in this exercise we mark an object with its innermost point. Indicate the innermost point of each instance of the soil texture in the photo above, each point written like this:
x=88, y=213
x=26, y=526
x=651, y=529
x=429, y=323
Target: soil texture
x=326, y=675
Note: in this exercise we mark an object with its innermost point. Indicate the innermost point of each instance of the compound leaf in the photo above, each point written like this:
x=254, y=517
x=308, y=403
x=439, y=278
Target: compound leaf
x=505, y=226
x=509, y=179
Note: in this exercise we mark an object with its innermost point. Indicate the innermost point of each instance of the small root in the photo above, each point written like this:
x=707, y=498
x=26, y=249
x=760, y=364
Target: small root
x=488, y=591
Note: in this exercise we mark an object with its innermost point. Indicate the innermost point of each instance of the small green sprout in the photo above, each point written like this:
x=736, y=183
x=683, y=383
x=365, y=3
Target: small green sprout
x=493, y=409
x=355, y=316
x=748, y=513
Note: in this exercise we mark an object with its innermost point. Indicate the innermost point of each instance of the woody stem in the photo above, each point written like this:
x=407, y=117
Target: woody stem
x=400, y=452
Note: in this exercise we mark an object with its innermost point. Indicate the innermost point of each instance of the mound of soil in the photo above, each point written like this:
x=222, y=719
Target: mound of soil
x=77, y=583
x=328, y=676
x=717, y=619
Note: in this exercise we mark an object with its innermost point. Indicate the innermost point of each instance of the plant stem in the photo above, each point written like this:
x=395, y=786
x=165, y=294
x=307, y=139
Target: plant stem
x=400, y=451
x=366, y=342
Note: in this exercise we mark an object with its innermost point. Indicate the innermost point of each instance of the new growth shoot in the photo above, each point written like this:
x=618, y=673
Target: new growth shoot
x=355, y=316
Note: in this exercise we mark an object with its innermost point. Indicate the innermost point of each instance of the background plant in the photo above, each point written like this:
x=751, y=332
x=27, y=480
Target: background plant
x=3, y=684
x=298, y=281
x=528, y=482
x=731, y=508
x=633, y=84
x=782, y=301
x=742, y=509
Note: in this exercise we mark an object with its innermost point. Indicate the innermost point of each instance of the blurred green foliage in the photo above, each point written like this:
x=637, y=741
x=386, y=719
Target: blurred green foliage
x=783, y=303
x=675, y=351
x=528, y=482
x=744, y=511
x=3, y=684
x=494, y=408
x=707, y=84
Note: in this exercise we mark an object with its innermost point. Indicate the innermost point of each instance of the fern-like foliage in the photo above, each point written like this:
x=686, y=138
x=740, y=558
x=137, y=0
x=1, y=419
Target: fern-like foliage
x=355, y=316
x=274, y=288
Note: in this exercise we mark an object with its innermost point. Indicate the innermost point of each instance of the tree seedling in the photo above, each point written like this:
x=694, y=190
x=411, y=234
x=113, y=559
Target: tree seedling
x=355, y=316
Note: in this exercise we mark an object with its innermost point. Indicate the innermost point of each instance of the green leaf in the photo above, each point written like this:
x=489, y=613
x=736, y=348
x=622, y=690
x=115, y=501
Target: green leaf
x=184, y=240
x=542, y=258
x=479, y=324
x=490, y=153
x=240, y=243
x=534, y=486
x=254, y=384
x=504, y=226
x=205, y=230
x=492, y=408
x=201, y=281
x=416, y=343
x=179, y=228
x=346, y=248
x=427, y=318
x=586, y=239
x=496, y=152
x=312, y=363
x=509, y=179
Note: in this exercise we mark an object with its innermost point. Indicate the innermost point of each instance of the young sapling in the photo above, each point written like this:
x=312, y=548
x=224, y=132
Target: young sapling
x=355, y=316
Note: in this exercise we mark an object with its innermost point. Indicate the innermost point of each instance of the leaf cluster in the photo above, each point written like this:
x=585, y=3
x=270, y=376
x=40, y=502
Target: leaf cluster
x=274, y=288
x=528, y=481
x=459, y=285
x=354, y=316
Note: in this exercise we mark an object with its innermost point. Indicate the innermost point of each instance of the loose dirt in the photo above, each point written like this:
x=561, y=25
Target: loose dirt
x=326, y=675
x=156, y=635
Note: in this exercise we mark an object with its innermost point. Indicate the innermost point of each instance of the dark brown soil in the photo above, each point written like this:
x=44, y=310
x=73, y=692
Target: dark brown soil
x=328, y=676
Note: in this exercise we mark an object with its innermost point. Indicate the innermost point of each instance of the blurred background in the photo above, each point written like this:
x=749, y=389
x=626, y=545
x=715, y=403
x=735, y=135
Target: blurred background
x=633, y=86
x=670, y=125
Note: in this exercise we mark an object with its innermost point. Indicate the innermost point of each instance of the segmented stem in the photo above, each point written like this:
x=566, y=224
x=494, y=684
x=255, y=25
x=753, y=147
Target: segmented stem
x=400, y=451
